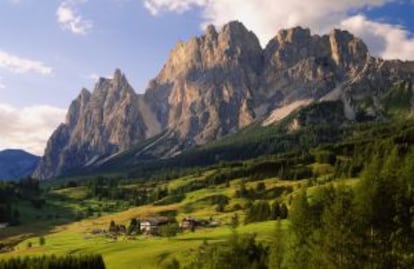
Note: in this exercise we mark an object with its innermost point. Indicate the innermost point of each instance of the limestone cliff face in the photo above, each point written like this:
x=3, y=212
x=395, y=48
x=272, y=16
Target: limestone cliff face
x=97, y=125
x=217, y=83
x=207, y=83
x=301, y=66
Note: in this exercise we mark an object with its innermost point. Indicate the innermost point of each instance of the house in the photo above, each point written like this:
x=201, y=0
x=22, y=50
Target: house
x=190, y=223
x=151, y=226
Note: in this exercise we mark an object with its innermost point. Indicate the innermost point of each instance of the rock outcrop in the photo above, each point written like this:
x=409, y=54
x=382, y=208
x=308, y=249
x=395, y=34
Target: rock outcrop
x=216, y=84
x=207, y=84
x=110, y=119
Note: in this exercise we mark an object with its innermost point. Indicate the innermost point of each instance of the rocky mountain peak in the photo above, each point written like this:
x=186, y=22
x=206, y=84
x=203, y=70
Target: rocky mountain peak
x=233, y=44
x=118, y=75
x=347, y=49
x=119, y=80
x=77, y=106
x=97, y=125
x=84, y=94
x=294, y=35
x=212, y=86
x=211, y=32
x=235, y=28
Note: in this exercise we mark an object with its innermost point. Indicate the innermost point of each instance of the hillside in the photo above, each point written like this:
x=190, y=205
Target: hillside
x=242, y=196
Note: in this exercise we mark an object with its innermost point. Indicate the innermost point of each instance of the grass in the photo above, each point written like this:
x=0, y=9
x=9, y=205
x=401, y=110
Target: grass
x=67, y=236
x=145, y=252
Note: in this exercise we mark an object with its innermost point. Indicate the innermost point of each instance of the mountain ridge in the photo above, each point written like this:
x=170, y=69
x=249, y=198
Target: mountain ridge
x=218, y=83
x=16, y=164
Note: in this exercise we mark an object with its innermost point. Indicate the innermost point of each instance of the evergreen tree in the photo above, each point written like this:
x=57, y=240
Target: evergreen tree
x=301, y=230
x=278, y=247
x=341, y=243
x=112, y=227
x=283, y=211
x=42, y=241
x=235, y=221
x=134, y=227
x=276, y=211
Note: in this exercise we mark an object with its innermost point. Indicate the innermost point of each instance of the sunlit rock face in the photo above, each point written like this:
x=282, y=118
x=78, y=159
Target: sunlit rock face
x=216, y=84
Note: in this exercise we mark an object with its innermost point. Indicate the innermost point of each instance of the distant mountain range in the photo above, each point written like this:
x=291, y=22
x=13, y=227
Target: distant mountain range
x=16, y=164
x=221, y=82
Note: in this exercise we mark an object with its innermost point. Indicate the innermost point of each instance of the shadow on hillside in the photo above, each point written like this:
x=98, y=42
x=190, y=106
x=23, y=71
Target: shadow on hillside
x=35, y=222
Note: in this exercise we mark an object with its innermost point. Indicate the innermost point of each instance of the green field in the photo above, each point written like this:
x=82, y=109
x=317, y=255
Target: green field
x=67, y=236
x=142, y=252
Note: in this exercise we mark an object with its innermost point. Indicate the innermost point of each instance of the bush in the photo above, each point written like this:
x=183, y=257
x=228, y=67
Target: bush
x=260, y=211
x=172, y=264
x=236, y=252
x=169, y=230
x=325, y=157
x=42, y=241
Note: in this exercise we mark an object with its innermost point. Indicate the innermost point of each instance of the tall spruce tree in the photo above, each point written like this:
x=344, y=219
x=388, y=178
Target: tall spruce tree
x=301, y=231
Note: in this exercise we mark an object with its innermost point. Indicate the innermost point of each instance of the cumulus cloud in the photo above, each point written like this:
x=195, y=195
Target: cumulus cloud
x=22, y=65
x=155, y=6
x=386, y=40
x=266, y=17
x=28, y=128
x=70, y=20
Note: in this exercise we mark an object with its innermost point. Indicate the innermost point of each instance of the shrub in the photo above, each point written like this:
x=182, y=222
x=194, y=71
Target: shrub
x=169, y=230
x=42, y=241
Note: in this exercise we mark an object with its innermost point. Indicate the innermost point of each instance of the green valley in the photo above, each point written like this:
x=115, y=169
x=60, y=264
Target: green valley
x=74, y=208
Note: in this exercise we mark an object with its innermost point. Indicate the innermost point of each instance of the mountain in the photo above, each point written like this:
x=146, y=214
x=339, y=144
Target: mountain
x=98, y=124
x=16, y=164
x=216, y=84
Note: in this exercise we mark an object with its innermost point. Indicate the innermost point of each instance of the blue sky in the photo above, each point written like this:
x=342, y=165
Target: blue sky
x=50, y=49
x=124, y=34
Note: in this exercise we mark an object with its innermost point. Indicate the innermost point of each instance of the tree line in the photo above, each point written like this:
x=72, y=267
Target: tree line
x=54, y=262
x=366, y=225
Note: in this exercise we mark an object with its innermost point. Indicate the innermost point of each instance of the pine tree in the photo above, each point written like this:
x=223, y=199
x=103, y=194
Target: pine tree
x=112, y=227
x=42, y=241
x=278, y=247
x=276, y=212
x=341, y=242
x=301, y=230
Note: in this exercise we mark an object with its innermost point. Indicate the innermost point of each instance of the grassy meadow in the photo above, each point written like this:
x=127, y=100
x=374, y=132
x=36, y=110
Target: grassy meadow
x=66, y=235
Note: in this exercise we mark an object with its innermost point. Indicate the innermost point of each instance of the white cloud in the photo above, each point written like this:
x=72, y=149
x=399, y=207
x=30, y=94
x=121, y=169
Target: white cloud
x=21, y=65
x=266, y=17
x=70, y=20
x=28, y=128
x=386, y=40
x=155, y=6
x=93, y=76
